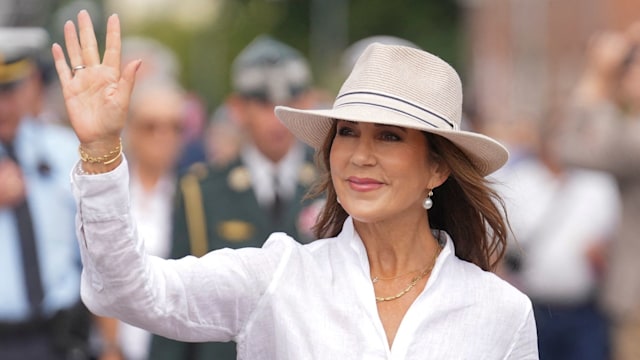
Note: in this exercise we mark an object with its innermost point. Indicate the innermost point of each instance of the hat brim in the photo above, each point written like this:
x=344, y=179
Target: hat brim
x=313, y=126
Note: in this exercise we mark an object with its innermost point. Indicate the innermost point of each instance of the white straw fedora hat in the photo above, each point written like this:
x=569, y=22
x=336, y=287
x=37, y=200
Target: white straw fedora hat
x=400, y=86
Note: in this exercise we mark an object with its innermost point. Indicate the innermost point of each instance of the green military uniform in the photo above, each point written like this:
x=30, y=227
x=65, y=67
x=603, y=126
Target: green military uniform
x=226, y=202
x=218, y=207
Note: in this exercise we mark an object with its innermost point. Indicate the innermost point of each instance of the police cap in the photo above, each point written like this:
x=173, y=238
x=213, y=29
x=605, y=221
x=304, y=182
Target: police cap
x=19, y=49
x=270, y=71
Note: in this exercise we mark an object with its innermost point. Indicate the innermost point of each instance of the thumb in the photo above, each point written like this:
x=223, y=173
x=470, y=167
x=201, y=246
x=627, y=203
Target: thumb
x=128, y=79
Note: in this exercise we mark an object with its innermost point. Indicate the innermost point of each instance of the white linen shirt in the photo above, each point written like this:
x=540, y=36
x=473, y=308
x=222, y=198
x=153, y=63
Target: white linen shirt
x=152, y=209
x=287, y=300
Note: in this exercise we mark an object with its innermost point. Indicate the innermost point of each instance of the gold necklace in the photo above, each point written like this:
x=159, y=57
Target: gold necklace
x=375, y=279
x=413, y=282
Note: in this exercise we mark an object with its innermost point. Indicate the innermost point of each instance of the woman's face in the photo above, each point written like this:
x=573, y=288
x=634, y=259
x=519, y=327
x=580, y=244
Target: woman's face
x=380, y=172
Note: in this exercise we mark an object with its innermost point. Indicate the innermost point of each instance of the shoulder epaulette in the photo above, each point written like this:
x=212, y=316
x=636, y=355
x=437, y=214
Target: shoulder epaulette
x=194, y=213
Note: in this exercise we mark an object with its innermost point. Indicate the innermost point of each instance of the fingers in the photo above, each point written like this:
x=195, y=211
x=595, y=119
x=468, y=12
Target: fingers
x=83, y=50
x=72, y=43
x=90, y=53
x=113, y=44
x=129, y=77
x=64, y=73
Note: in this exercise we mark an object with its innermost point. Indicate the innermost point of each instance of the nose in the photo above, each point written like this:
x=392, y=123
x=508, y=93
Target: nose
x=364, y=152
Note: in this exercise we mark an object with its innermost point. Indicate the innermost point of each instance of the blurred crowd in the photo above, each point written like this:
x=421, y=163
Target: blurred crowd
x=230, y=178
x=572, y=199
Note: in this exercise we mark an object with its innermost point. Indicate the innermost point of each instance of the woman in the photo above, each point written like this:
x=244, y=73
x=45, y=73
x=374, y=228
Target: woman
x=381, y=285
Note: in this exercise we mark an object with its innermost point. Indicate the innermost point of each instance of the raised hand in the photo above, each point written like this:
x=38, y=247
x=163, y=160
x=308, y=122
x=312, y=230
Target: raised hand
x=607, y=53
x=605, y=56
x=96, y=93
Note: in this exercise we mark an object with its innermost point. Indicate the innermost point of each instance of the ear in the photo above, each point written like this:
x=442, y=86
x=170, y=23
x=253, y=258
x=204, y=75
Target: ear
x=440, y=171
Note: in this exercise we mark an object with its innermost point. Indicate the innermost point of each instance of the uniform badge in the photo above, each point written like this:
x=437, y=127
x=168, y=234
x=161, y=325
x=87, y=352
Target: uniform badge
x=235, y=230
x=307, y=219
x=239, y=179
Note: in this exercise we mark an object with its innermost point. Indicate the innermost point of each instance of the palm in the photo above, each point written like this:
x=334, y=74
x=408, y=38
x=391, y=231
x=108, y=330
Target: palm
x=97, y=96
x=95, y=107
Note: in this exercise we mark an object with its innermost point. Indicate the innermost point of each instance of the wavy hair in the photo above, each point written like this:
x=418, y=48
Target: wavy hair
x=465, y=205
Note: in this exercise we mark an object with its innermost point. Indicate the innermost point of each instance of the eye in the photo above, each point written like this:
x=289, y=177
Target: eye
x=345, y=130
x=390, y=136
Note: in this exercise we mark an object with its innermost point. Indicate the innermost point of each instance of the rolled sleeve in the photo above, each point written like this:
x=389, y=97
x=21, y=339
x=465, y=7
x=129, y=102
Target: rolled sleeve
x=103, y=226
x=189, y=299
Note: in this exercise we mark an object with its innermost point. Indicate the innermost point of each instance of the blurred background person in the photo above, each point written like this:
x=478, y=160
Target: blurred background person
x=353, y=52
x=161, y=63
x=41, y=316
x=194, y=133
x=153, y=143
x=602, y=132
x=562, y=218
x=223, y=137
x=261, y=191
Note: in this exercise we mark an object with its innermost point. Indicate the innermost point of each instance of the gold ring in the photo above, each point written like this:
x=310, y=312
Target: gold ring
x=76, y=68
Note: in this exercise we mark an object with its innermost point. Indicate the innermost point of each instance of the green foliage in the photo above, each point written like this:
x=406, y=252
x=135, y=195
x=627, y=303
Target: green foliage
x=206, y=52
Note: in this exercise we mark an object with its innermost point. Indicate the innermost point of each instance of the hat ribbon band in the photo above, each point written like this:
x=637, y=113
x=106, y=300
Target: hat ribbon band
x=342, y=100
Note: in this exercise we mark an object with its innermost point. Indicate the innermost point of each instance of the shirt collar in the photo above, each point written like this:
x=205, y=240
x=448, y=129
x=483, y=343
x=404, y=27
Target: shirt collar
x=261, y=168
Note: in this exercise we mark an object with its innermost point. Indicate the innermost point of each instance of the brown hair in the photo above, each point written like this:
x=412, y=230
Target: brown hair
x=465, y=205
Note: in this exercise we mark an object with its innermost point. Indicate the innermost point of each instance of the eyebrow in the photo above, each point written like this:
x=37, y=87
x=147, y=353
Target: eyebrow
x=400, y=128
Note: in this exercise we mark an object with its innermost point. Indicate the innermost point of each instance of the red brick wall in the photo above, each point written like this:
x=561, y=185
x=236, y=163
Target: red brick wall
x=525, y=55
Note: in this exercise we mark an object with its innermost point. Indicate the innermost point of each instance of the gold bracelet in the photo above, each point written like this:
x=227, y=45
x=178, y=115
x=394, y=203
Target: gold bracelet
x=106, y=159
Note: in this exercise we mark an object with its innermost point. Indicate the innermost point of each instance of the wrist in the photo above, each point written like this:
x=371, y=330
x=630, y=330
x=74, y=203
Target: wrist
x=95, y=169
x=101, y=147
x=100, y=157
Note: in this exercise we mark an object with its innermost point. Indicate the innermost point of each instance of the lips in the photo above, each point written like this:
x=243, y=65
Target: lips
x=364, y=184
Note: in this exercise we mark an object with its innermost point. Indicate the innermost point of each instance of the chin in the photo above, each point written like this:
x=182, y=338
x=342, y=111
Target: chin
x=367, y=216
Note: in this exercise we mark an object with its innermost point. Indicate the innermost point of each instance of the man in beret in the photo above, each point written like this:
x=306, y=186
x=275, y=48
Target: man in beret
x=240, y=204
x=39, y=258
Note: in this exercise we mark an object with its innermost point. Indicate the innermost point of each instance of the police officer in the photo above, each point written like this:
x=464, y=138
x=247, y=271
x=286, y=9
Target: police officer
x=240, y=204
x=41, y=316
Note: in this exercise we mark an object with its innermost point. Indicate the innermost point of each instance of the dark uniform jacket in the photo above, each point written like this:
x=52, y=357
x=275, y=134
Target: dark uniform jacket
x=217, y=208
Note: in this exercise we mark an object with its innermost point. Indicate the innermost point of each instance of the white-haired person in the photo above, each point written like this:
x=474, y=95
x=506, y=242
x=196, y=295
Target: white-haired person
x=409, y=231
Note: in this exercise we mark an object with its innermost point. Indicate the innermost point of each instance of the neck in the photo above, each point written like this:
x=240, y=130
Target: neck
x=398, y=247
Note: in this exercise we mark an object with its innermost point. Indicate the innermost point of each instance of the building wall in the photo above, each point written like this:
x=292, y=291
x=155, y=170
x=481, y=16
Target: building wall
x=525, y=56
